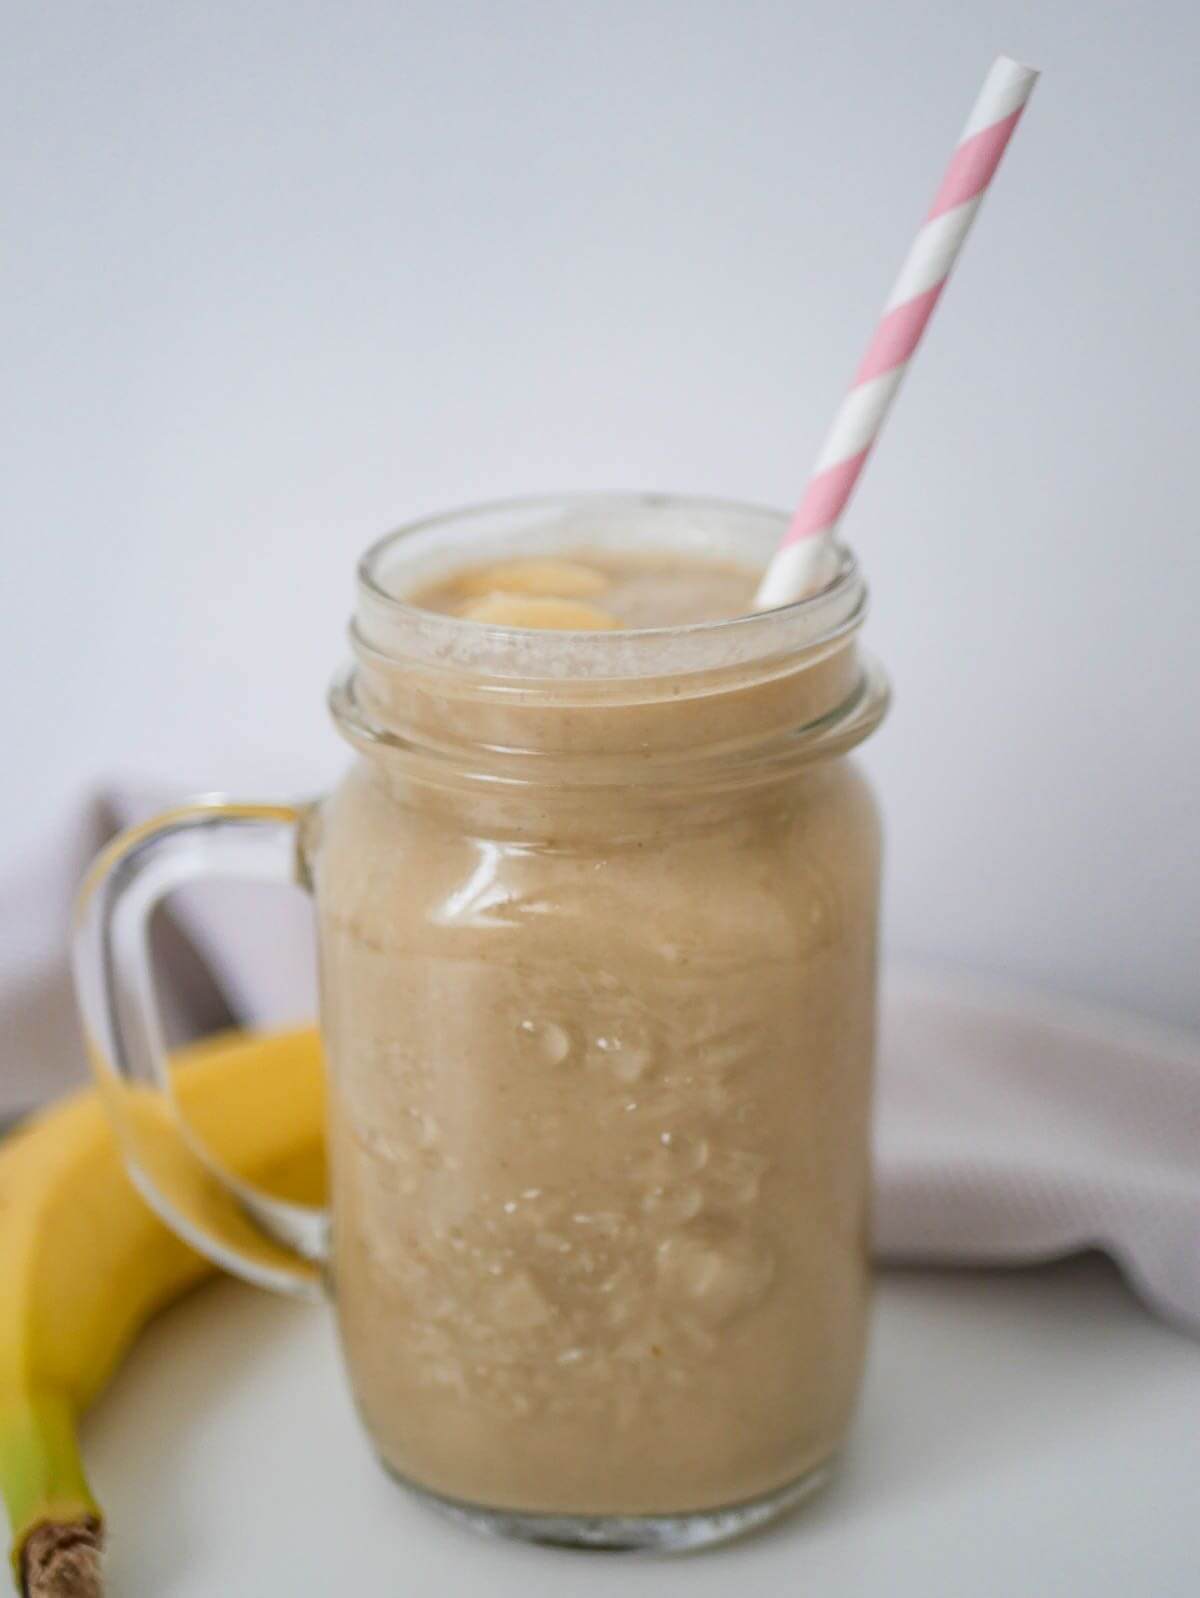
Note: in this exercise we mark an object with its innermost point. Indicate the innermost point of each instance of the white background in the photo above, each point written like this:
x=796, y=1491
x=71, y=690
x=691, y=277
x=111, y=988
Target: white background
x=279, y=276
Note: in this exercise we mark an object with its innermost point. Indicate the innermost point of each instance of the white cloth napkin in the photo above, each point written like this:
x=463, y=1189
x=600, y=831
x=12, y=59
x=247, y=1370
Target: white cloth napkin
x=1012, y=1128
x=1009, y=1129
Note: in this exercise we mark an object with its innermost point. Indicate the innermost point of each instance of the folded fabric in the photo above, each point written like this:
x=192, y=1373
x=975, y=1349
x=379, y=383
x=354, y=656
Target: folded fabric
x=1012, y=1129
x=1009, y=1129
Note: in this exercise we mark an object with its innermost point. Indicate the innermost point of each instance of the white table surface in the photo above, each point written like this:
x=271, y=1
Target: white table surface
x=1027, y=1434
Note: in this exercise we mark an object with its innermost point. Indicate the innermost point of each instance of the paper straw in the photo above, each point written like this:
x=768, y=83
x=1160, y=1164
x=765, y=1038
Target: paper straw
x=805, y=559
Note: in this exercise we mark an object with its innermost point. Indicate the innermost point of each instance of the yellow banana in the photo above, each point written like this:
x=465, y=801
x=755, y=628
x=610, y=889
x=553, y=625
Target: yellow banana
x=503, y=609
x=542, y=576
x=546, y=577
x=84, y=1263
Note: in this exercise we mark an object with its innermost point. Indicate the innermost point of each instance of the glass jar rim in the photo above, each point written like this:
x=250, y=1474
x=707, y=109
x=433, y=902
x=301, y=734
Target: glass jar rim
x=388, y=626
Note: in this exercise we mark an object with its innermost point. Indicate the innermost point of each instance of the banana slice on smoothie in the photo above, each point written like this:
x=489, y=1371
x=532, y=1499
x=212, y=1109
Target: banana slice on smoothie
x=549, y=579
x=505, y=609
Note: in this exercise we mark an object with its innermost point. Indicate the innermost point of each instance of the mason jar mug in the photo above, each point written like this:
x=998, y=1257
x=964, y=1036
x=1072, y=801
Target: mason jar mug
x=597, y=925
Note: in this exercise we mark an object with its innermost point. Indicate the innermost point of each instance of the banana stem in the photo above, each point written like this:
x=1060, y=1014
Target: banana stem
x=56, y=1524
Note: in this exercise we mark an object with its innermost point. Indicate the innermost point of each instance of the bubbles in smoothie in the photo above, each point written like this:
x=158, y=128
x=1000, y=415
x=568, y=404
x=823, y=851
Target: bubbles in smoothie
x=517, y=1304
x=673, y=1205
x=734, y=1177
x=681, y=1151
x=717, y=1273
x=552, y=1242
x=428, y=1131
x=726, y=1047
x=627, y=1057
x=544, y=1042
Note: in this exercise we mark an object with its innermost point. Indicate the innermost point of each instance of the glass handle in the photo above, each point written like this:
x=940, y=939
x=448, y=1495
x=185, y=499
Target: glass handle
x=272, y=1242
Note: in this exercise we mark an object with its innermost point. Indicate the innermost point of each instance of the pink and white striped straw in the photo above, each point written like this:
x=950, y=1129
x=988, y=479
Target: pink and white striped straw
x=804, y=561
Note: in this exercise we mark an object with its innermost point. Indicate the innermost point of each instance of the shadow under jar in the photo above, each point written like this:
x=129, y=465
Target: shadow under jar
x=597, y=919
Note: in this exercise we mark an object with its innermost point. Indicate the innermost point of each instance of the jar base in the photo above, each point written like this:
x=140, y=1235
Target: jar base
x=664, y=1534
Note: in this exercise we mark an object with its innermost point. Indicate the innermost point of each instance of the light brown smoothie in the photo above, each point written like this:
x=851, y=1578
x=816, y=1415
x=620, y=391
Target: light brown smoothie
x=598, y=971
